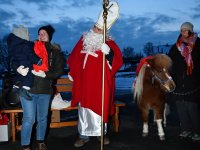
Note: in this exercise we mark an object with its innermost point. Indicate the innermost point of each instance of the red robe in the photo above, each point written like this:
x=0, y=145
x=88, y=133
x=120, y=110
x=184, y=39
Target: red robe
x=87, y=84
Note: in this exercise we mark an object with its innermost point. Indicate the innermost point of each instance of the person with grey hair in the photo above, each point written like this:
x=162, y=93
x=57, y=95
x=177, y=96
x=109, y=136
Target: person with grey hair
x=185, y=54
x=22, y=56
x=85, y=64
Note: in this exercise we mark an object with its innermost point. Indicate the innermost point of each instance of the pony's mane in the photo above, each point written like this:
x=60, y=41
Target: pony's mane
x=138, y=88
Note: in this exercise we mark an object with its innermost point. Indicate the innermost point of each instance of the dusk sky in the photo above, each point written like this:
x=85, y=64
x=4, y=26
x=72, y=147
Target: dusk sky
x=140, y=21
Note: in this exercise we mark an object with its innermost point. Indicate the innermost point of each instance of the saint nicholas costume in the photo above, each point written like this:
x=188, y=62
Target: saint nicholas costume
x=85, y=64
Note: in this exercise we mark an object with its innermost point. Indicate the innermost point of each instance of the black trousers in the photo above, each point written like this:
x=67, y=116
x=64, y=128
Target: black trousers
x=189, y=116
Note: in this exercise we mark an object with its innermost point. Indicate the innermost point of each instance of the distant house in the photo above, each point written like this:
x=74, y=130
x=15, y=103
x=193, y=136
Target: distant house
x=161, y=49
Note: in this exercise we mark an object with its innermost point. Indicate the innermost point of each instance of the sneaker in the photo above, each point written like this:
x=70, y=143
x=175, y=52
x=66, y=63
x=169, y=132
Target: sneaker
x=25, y=93
x=41, y=146
x=106, y=140
x=80, y=142
x=58, y=103
x=195, y=137
x=26, y=147
x=185, y=134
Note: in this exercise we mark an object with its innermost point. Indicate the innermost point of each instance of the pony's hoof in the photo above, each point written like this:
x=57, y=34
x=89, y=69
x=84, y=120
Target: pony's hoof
x=162, y=138
x=144, y=134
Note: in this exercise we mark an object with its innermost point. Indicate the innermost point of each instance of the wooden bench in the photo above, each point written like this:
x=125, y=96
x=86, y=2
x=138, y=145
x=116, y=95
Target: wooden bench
x=63, y=85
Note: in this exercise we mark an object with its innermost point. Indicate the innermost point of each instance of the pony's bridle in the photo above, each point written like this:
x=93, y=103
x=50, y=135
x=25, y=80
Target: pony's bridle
x=157, y=78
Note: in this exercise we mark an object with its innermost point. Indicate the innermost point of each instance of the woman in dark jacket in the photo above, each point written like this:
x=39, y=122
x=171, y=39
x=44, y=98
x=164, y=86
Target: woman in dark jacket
x=41, y=91
x=185, y=54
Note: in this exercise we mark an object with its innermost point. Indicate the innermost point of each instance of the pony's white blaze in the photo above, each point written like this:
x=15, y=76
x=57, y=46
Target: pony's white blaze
x=169, y=79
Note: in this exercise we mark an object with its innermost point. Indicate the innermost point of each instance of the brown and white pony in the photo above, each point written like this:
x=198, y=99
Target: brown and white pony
x=150, y=88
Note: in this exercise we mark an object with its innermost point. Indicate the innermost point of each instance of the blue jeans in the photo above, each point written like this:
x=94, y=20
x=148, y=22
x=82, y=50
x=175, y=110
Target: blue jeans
x=35, y=108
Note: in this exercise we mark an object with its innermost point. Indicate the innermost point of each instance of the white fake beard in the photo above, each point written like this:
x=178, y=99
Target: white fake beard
x=92, y=41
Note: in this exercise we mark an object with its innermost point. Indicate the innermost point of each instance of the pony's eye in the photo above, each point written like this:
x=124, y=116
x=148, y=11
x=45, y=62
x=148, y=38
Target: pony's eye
x=162, y=70
x=159, y=70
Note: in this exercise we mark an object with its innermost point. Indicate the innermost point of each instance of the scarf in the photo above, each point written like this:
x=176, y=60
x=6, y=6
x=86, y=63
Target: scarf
x=41, y=52
x=185, y=46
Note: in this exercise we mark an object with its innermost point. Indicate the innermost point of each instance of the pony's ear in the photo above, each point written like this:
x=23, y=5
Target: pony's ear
x=150, y=61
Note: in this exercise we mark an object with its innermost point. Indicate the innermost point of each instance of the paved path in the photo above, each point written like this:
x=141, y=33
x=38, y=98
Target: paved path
x=129, y=137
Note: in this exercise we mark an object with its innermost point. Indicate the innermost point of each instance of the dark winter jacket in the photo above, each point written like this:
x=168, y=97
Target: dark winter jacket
x=187, y=86
x=56, y=69
x=21, y=53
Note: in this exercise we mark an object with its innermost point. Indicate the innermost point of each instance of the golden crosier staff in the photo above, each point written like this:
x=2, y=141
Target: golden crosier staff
x=105, y=13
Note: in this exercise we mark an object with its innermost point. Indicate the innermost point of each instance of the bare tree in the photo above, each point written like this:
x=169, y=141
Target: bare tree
x=4, y=57
x=148, y=49
x=128, y=52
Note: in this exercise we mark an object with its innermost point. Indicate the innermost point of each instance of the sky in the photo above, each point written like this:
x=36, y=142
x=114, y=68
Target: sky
x=140, y=21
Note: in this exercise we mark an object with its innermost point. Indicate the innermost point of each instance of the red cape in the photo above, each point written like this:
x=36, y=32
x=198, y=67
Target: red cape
x=87, y=84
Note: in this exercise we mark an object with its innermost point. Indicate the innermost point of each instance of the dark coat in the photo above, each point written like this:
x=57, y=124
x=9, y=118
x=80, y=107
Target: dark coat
x=21, y=53
x=187, y=86
x=56, y=69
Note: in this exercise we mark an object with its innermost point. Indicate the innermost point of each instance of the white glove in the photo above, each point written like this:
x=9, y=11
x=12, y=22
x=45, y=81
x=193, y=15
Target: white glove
x=70, y=77
x=40, y=73
x=23, y=71
x=105, y=48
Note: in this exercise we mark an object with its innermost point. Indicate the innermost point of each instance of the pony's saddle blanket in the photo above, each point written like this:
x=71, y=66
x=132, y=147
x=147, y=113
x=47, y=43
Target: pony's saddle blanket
x=142, y=62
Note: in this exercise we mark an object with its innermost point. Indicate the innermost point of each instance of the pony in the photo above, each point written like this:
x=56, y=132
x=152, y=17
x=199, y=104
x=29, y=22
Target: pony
x=150, y=87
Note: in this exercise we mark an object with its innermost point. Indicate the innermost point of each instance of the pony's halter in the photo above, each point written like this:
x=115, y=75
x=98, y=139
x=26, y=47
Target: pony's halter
x=164, y=83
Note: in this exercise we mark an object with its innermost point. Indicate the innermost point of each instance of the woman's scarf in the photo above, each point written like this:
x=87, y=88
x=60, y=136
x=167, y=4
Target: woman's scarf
x=185, y=46
x=41, y=52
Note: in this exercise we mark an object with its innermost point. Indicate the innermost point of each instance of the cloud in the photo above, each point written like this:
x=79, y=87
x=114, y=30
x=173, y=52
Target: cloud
x=196, y=11
x=83, y=3
x=5, y=16
x=60, y=13
x=162, y=19
x=69, y=31
x=71, y=18
x=72, y=3
x=5, y=2
x=137, y=31
x=34, y=12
